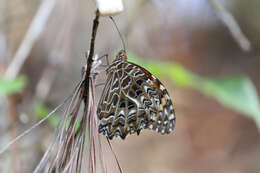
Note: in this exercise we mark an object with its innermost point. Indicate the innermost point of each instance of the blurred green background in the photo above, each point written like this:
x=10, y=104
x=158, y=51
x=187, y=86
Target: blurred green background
x=213, y=82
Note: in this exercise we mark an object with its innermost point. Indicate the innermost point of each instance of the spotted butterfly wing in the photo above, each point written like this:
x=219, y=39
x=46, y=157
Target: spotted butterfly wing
x=132, y=100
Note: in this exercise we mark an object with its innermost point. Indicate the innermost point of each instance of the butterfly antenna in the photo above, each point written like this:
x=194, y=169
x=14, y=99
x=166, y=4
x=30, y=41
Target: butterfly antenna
x=118, y=32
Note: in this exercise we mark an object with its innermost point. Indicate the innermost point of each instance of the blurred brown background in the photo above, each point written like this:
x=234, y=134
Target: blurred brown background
x=208, y=137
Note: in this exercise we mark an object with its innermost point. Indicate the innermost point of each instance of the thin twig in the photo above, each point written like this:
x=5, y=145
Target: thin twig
x=94, y=115
x=3, y=43
x=59, y=50
x=70, y=142
x=87, y=91
x=117, y=161
x=45, y=83
x=91, y=54
x=69, y=136
x=34, y=126
x=12, y=109
x=38, y=24
x=58, y=135
x=232, y=25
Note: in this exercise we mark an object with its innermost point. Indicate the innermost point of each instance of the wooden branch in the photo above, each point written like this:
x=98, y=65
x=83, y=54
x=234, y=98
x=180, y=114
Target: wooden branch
x=90, y=57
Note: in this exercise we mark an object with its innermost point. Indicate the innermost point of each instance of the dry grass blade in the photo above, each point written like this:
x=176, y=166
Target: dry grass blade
x=117, y=162
x=67, y=150
x=38, y=24
x=76, y=136
x=101, y=156
x=232, y=25
x=68, y=141
x=34, y=126
x=58, y=133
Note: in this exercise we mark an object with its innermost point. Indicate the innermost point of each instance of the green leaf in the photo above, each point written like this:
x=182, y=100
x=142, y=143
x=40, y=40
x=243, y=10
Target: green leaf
x=178, y=75
x=236, y=92
x=41, y=111
x=12, y=86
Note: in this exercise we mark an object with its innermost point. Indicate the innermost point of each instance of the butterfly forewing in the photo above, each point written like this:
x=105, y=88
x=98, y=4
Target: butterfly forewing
x=132, y=100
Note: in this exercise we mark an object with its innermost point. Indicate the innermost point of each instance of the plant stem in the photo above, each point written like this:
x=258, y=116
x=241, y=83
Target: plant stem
x=90, y=58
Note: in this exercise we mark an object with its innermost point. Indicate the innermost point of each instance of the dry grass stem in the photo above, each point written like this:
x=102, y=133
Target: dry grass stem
x=232, y=25
x=38, y=24
x=76, y=138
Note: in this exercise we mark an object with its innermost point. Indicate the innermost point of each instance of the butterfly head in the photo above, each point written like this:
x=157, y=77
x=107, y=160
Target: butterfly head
x=121, y=55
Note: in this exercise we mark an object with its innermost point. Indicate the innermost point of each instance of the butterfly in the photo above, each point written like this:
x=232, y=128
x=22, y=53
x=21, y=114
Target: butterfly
x=132, y=100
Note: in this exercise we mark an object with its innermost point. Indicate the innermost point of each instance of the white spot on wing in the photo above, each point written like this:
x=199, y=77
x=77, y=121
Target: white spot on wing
x=171, y=117
x=162, y=87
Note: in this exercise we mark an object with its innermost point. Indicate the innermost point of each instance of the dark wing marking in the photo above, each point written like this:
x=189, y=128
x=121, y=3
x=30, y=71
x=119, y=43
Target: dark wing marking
x=133, y=99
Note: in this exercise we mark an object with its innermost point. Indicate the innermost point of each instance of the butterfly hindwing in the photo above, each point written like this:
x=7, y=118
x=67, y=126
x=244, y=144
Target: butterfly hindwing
x=132, y=100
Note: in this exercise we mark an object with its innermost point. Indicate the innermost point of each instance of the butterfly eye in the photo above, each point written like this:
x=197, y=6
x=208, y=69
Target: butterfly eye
x=121, y=56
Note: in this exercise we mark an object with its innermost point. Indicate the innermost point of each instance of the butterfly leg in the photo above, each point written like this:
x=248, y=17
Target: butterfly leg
x=100, y=84
x=107, y=61
x=94, y=74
